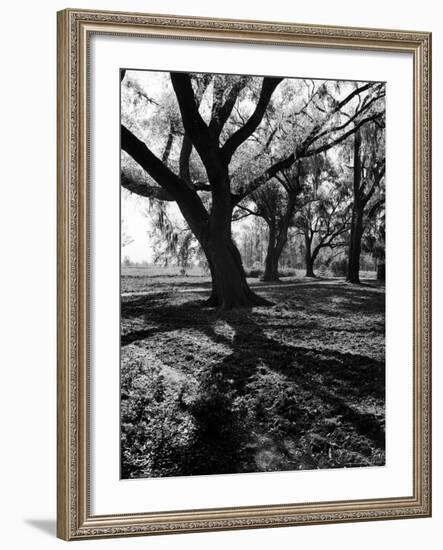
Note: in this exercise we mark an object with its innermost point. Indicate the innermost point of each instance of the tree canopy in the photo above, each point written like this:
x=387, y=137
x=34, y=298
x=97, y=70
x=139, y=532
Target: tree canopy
x=224, y=146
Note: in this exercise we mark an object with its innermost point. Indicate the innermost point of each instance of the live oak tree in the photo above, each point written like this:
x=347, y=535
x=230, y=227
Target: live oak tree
x=323, y=221
x=276, y=203
x=210, y=139
x=368, y=173
x=212, y=228
x=318, y=123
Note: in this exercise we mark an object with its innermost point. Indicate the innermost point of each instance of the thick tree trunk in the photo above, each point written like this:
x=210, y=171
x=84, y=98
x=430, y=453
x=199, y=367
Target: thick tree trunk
x=229, y=286
x=309, y=266
x=271, y=266
x=381, y=272
x=271, y=261
x=278, y=235
x=212, y=229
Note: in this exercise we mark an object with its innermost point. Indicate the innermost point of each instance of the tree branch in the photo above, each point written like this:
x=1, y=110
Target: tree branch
x=285, y=163
x=344, y=125
x=335, y=110
x=341, y=138
x=185, y=154
x=194, y=125
x=221, y=112
x=250, y=212
x=186, y=197
x=378, y=204
x=242, y=134
x=143, y=189
x=186, y=148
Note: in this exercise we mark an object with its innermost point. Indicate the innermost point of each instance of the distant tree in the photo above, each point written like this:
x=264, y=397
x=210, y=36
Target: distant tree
x=252, y=241
x=368, y=174
x=323, y=220
x=313, y=128
x=275, y=203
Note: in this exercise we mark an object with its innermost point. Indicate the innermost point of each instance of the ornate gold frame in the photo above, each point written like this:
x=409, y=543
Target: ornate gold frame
x=74, y=518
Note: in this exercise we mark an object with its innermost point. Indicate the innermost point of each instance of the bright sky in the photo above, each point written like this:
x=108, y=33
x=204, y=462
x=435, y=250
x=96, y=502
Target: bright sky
x=137, y=227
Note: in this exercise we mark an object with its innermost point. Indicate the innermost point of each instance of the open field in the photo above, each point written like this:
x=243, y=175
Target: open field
x=299, y=385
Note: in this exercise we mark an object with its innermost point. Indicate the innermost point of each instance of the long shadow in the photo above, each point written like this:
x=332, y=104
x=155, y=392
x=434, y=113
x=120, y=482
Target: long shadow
x=332, y=375
x=328, y=382
x=164, y=317
x=320, y=385
x=219, y=445
x=154, y=284
x=155, y=309
x=328, y=299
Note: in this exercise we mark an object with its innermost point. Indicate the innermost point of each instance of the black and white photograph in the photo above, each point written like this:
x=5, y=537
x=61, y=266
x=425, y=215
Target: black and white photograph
x=252, y=281
x=220, y=238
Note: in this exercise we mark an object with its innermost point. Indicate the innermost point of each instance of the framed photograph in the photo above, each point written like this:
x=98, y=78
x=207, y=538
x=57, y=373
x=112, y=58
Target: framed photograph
x=243, y=274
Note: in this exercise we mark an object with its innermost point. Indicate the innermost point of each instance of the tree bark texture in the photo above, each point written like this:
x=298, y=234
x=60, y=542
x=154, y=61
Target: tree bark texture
x=278, y=236
x=309, y=257
x=353, y=275
x=355, y=244
x=230, y=288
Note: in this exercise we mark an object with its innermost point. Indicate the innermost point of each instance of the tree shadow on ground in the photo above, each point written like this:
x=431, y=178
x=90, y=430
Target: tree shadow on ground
x=328, y=298
x=320, y=386
x=271, y=405
x=161, y=316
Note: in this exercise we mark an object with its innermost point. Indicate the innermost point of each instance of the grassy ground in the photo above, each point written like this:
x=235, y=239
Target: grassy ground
x=299, y=385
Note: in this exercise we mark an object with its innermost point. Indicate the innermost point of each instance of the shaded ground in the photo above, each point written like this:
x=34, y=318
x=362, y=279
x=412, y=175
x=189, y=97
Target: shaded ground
x=299, y=385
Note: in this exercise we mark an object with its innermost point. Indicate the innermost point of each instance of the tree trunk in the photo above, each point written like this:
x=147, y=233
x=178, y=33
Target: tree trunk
x=355, y=245
x=271, y=262
x=229, y=286
x=271, y=266
x=309, y=267
x=278, y=235
x=212, y=229
x=381, y=272
x=309, y=259
x=357, y=217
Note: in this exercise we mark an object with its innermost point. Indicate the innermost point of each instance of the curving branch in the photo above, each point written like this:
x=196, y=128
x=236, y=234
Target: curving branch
x=221, y=111
x=185, y=195
x=143, y=189
x=194, y=125
x=149, y=162
x=303, y=150
x=186, y=148
x=242, y=134
x=350, y=119
x=329, y=145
